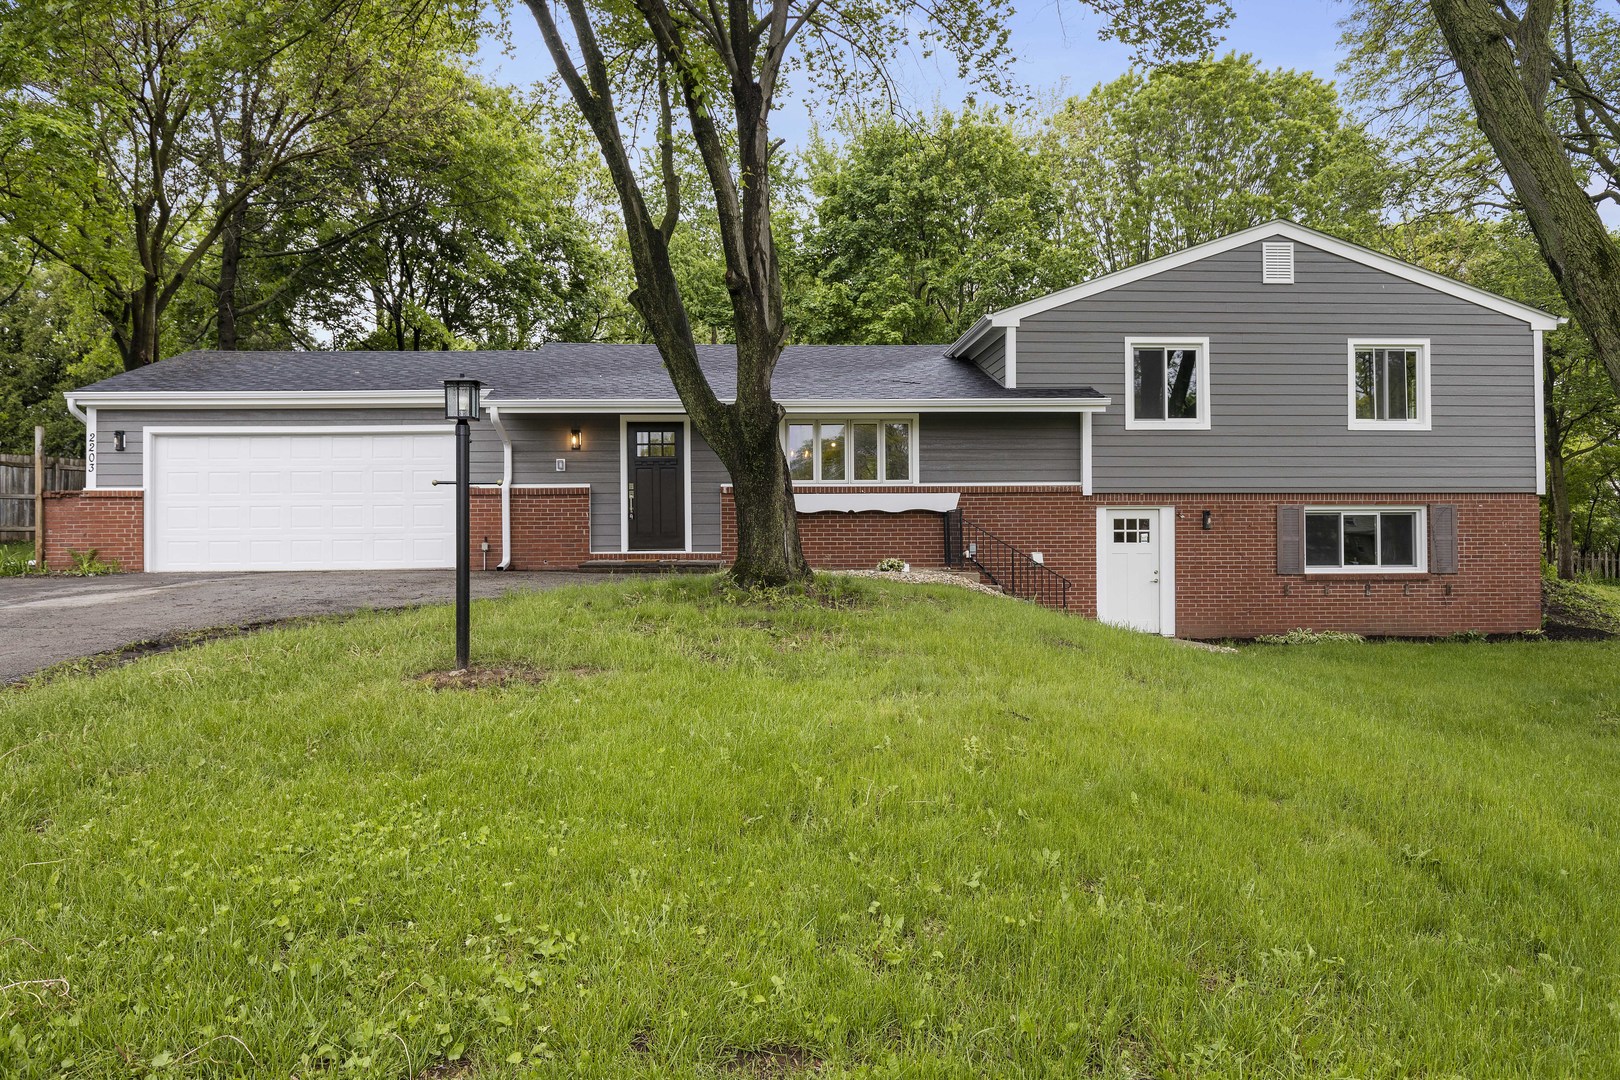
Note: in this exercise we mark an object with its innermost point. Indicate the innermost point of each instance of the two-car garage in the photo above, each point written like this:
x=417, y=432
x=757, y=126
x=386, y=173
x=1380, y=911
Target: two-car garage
x=299, y=499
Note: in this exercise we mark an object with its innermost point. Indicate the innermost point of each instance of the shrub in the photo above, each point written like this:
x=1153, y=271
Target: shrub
x=1311, y=637
x=894, y=565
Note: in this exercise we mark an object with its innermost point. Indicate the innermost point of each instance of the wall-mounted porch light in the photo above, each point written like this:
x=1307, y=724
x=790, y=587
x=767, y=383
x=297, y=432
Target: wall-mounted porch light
x=118, y=441
x=575, y=439
x=1208, y=520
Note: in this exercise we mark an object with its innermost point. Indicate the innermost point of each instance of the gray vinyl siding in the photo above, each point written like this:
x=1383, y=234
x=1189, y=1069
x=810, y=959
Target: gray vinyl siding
x=123, y=470
x=991, y=355
x=539, y=440
x=708, y=474
x=999, y=448
x=1279, y=380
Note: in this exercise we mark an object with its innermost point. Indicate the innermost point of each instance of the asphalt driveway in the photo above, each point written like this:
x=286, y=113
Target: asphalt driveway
x=46, y=620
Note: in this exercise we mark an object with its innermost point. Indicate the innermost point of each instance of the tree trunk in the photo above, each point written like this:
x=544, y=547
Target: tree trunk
x=768, y=552
x=230, y=259
x=138, y=343
x=1576, y=245
x=1563, y=517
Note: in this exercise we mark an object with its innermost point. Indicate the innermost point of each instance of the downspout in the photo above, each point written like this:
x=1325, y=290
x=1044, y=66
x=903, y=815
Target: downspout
x=506, y=487
x=78, y=413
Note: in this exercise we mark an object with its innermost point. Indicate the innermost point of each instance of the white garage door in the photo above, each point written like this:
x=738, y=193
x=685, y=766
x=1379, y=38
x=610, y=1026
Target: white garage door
x=300, y=501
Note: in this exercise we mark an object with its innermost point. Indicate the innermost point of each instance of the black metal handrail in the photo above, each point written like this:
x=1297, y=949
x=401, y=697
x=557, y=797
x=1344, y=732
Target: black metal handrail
x=1014, y=572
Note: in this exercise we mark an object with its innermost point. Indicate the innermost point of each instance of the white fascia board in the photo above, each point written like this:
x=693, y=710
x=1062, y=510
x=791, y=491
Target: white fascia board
x=1535, y=317
x=869, y=407
x=255, y=399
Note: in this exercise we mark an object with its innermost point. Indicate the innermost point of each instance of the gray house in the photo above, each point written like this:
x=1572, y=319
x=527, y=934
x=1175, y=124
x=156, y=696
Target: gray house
x=1273, y=430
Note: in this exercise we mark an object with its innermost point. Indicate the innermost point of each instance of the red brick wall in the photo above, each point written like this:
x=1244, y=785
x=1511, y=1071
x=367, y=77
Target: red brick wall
x=551, y=527
x=108, y=521
x=1227, y=583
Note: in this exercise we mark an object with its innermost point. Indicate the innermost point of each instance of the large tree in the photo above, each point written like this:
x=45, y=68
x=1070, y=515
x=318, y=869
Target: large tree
x=722, y=65
x=137, y=132
x=1541, y=78
x=920, y=228
x=1152, y=163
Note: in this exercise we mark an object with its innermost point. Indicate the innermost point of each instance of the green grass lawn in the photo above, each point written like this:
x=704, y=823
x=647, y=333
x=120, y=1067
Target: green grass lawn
x=918, y=832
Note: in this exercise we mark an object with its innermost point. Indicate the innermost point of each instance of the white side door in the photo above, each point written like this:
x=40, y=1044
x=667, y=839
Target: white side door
x=300, y=500
x=1131, y=570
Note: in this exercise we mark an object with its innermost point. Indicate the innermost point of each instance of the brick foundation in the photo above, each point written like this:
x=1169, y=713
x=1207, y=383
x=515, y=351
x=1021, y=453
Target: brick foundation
x=1226, y=578
x=110, y=522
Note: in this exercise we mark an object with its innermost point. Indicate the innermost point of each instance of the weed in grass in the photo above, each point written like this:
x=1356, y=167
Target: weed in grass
x=857, y=846
x=1311, y=637
x=17, y=560
x=87, y=564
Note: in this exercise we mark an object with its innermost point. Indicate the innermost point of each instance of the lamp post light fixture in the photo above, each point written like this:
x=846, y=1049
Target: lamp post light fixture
x=462, y=404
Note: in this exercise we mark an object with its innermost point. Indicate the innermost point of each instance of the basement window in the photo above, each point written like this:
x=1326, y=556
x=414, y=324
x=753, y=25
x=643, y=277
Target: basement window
x=856, y=450
x=1364, y=539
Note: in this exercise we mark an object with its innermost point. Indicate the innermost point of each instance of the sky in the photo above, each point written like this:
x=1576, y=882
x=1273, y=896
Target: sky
x=1056, y=45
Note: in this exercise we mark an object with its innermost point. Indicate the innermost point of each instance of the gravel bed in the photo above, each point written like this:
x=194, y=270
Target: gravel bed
x=924, y=577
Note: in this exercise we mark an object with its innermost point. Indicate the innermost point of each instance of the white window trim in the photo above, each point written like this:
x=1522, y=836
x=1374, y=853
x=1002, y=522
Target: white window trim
x=847, y=420
x=1420, y=541
x=1424, y=421
x=625, y=420
x=1201, y=422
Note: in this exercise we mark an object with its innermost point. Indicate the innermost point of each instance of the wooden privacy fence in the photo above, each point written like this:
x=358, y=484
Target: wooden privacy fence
x=1603, y=564
x=17, y=490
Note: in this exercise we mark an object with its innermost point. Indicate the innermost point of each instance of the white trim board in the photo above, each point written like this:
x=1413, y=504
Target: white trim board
x=1541, y=417
x=257, y=399
x=1535, y=318
x=668, y=407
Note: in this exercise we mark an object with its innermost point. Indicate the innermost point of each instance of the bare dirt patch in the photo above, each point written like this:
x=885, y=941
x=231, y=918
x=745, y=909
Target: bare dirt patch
x=770, y=1061
x=483, y=678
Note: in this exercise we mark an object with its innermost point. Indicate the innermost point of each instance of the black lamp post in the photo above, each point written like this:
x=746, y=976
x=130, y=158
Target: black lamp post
x=462, y=404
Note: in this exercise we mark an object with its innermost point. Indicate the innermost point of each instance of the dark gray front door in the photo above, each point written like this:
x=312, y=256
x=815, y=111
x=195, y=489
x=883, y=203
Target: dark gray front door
x=657, y=487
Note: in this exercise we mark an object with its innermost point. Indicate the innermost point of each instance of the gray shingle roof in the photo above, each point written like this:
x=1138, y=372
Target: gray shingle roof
x=587, y=372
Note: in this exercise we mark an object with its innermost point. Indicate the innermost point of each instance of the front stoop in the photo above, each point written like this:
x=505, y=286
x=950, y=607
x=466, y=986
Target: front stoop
x=651, y=566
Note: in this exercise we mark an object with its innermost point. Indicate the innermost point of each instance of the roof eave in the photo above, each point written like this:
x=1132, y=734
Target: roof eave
x=850, y=406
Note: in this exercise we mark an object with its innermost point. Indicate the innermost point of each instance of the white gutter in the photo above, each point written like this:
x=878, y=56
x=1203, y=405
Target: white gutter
x=852, y=407
x=257, y=399
x=506, y=488
x=73, y=407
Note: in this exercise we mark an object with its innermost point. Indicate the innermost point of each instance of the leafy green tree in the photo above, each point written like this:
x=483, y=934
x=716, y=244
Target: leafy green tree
x=1581, y=417
x=51, y=340
x=919, y=229
x=133, y=133
x=723, y=66
x=1541, y=78
x=1189, y=152
x=470, y=239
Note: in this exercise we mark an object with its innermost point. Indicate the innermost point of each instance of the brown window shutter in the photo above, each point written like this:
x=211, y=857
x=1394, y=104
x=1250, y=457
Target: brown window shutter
x=1443, y=538
x=1290, y=539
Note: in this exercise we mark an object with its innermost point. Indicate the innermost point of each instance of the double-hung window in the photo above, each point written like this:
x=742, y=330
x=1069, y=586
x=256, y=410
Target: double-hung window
x=855, y=450
x=1364, y=539
x=1389, y=384
x=1167, y=382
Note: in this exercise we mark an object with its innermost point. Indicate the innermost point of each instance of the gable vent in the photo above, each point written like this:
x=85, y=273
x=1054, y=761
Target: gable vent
x=1278, y=263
